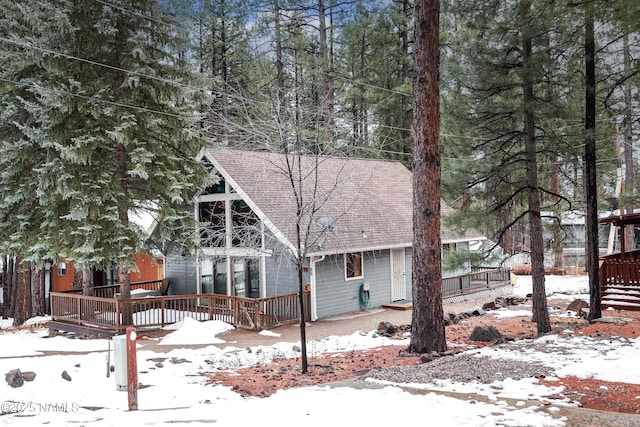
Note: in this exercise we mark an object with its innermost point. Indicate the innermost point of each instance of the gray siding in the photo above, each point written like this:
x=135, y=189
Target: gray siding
x=466, y=269
x=181, y=271
x=336, y=296
x=281, y=275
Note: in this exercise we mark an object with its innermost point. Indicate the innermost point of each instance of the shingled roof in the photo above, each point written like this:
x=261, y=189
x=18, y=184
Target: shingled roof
x=348, y=204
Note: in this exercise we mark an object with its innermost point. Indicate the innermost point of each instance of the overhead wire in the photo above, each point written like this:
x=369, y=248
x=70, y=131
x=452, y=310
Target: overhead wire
x=182, y=84
x=99, y=100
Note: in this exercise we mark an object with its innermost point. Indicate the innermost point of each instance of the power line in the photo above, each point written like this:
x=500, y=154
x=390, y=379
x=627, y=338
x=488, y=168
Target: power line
x=173, y=82
x=100, y=100
x=138, y=14
x=348, y=79
x=190, y=119
x=88, y=61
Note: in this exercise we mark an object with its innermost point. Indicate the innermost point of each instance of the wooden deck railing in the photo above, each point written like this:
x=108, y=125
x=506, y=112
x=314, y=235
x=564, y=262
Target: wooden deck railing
x=620, y=281
x=108, y=291
x=100, y=313
x=482, y=278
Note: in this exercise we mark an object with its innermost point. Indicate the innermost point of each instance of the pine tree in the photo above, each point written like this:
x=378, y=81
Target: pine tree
x=376, y=57
x=98, y=121
x=501, y=102
x=427, y=322
x=220, y=47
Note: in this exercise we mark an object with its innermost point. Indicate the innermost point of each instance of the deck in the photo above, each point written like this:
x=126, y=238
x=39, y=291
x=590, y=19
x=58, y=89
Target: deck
x=482, y=281
x=620, y=272
x=620, y=281
x=108, y=316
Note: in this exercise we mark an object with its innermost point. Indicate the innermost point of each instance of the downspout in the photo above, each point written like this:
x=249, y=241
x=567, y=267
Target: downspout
x=312, y=265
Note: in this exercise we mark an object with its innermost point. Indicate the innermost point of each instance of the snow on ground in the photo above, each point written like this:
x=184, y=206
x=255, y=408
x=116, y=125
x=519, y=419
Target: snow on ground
x=175, y=393
x=563, y=287
x=191, y=331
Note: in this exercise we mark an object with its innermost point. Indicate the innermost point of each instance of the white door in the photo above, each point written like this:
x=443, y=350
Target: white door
x=398, y=286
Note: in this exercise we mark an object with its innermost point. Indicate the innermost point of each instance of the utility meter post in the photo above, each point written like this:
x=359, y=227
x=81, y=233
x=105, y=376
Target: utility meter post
x=132, y=369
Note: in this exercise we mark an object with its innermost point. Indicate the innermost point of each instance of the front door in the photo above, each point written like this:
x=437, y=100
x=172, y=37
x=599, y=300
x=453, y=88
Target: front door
x=398, y=286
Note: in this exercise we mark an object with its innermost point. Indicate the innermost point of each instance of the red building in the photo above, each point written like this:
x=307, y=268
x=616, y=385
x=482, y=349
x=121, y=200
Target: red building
x=62, y=274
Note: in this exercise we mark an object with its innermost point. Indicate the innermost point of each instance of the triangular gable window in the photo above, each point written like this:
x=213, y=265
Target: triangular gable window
x=221, y=211
x=217, y=187
x=207, y=164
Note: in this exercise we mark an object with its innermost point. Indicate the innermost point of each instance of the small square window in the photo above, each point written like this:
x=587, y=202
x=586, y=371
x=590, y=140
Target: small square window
x=353, y=265
x=62, y=269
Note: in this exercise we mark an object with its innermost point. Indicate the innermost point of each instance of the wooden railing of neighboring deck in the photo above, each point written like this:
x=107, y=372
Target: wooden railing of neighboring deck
x=90, y=313
x=620, y=281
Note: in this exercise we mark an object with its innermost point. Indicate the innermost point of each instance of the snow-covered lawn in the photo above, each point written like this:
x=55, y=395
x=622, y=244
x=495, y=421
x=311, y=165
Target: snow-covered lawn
x=175, y=393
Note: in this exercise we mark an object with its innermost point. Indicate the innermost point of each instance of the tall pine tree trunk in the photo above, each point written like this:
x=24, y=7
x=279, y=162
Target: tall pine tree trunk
x=427, y=326
x=627, y=130
x=540, y=310
x=37, y=290
x=558, y=245
x=6, y=289
x=122, y=158
x=327, y=91
x=21, y=311
x=13, y=285
x=87, y=281
x=590, y=183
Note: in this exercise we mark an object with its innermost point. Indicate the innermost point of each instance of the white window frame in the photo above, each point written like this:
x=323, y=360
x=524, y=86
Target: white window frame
x=361, y=276
x=61, y=269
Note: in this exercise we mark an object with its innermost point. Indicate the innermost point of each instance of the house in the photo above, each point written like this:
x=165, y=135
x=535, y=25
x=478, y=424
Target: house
x=62, y=275
x=354, y=233
x=572, y=227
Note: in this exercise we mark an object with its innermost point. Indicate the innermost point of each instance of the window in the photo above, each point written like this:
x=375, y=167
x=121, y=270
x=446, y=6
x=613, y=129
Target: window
x=220, y=276
x=216, y=188
x=207, y=164
x=212, y=228
x=245, y=229
x=62, y=269
x=353, y=265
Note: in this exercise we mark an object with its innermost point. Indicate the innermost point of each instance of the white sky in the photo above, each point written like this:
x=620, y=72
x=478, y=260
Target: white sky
x=177, y=395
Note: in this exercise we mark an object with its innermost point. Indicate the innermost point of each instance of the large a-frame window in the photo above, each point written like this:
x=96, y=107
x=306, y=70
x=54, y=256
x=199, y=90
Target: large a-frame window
x=226, y=220
x=231, y=238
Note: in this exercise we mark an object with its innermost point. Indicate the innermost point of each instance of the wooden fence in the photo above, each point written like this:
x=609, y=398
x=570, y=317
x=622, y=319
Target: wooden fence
x=99, y=315
x=480, y=278
x=109, y=291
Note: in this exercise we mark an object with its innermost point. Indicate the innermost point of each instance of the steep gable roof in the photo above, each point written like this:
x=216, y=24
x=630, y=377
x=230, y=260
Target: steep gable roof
x=346, y=204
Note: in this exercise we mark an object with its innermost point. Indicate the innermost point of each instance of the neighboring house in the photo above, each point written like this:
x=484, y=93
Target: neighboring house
x=355, y=221
x=61, y=275
x=572, y=224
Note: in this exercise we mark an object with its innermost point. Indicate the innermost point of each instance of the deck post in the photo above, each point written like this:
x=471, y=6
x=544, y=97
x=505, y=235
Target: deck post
x=117, y=319
x=256, y=315
x=162, y=309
